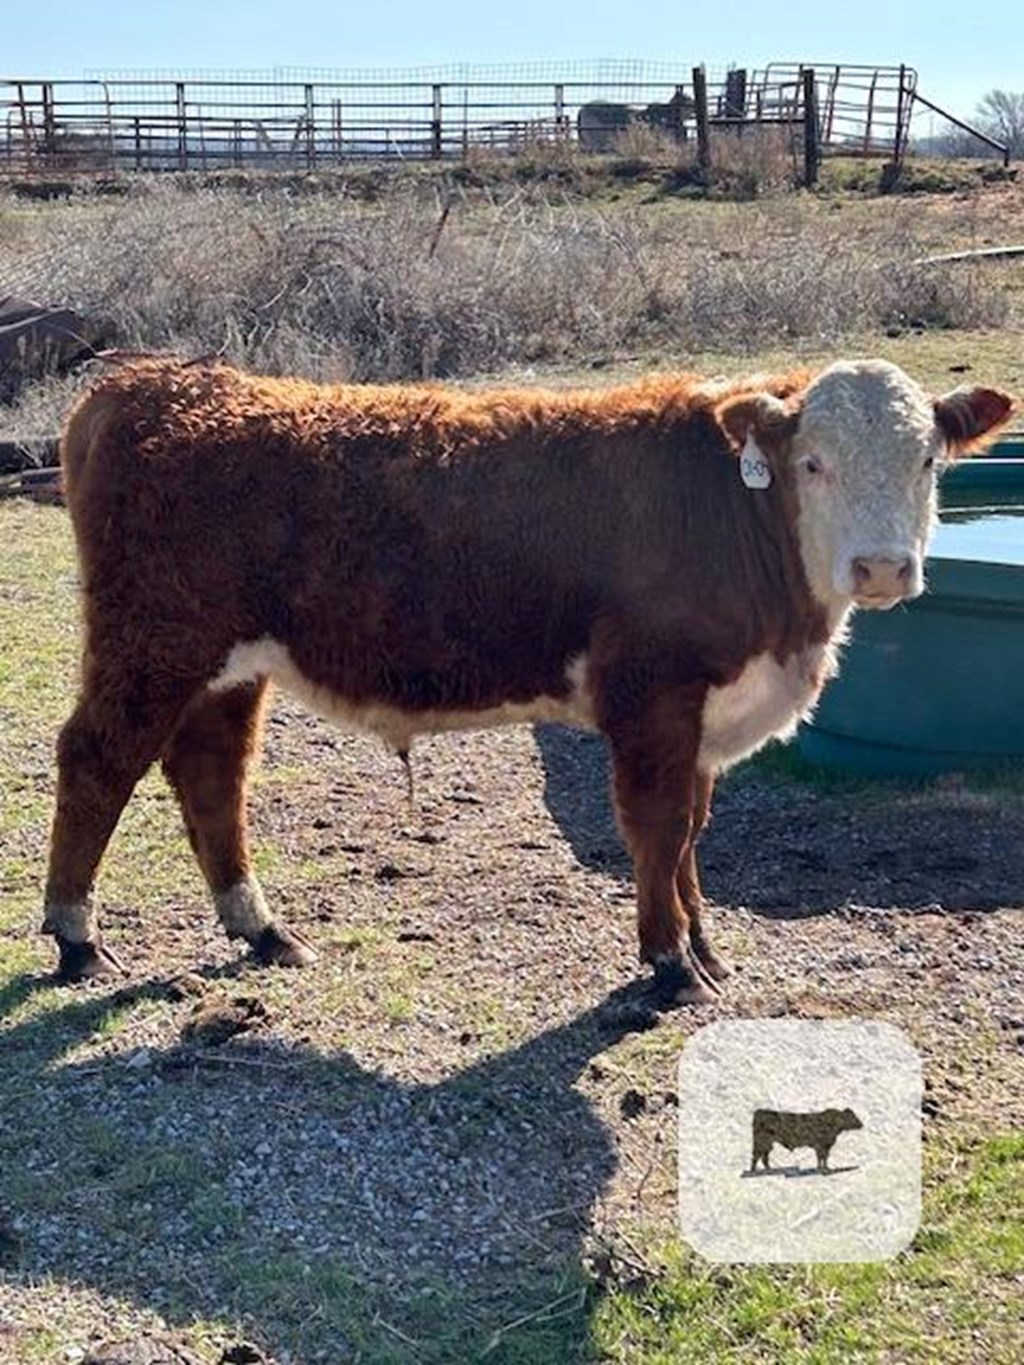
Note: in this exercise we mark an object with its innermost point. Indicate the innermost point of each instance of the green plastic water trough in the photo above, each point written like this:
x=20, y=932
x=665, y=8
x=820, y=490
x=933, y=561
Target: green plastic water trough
x=937, y=685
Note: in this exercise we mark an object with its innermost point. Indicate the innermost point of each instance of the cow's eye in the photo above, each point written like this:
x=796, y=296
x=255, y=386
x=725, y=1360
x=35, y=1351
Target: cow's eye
x=811, y=464
x=929, y=463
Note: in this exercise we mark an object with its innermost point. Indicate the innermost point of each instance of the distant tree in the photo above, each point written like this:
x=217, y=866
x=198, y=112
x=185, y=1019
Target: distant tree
x=1001, y=115
x=953, y=142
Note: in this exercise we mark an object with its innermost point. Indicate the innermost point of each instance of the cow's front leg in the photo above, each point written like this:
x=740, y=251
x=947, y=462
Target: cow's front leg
x=688, y=883
x=654, y=768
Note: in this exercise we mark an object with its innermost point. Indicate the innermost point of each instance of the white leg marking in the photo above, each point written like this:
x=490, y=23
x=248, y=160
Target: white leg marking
x=75, y=922
x=242, y=909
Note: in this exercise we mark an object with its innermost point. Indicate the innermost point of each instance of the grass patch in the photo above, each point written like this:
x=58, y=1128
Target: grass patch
x=917, y=175
x=953, y=1296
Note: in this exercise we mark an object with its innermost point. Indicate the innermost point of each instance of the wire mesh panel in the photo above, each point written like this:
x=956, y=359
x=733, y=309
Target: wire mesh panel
x=300, y=119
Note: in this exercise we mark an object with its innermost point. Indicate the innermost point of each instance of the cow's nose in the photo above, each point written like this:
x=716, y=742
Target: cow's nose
x=877, y=576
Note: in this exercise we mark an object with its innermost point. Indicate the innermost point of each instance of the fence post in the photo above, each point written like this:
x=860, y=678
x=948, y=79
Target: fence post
x=700, y=102
x=812, y=148
x=436, y=143
x=179, y=99
x=869, y=116
x=736, y=95
x=137, y=129
x=310, y=128
x=336, y=127
x=560, y=127
x=679, y=113
x=903, y=106
x=26, y=126
x=49, y=121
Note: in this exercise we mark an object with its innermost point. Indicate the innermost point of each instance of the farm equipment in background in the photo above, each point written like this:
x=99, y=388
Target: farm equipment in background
x=38, y=339
x=40, y=485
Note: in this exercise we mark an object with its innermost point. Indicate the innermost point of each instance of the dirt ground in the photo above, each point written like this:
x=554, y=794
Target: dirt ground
x=471, y=1089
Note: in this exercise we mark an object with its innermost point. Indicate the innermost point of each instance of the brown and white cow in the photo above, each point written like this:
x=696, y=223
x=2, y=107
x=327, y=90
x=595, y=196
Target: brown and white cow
x=671, y=563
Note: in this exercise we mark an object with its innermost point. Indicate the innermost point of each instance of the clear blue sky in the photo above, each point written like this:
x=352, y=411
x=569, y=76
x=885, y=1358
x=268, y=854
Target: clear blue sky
x=961, y=49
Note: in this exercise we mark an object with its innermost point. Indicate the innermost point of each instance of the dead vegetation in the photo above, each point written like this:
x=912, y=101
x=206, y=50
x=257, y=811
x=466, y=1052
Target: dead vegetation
x=448, y=283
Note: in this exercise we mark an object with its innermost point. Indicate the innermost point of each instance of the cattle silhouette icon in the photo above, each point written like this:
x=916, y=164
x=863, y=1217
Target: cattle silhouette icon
x=792, y=1131
x=799, y=1140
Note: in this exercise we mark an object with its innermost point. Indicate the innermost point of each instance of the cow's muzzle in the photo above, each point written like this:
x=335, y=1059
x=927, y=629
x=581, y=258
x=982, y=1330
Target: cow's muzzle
x=880, y=581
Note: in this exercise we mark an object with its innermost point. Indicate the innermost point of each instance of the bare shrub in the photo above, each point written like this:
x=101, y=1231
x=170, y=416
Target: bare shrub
x=40, y=407
x=638, y=141
x=521, y=156
x=788, y=276
x=330, y=287
x=414, y=286
x=947, y=296
x=761, y=159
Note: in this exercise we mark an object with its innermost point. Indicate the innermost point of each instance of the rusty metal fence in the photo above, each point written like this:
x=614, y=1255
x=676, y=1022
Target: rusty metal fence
x=861, y=110
x=109, y=125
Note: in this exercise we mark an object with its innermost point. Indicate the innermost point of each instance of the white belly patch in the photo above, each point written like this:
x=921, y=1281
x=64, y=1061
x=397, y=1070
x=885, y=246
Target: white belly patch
x=268, y=658
x=766, y=701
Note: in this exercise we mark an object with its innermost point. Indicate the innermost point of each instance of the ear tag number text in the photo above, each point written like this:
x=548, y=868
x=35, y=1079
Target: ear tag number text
x=755, y=471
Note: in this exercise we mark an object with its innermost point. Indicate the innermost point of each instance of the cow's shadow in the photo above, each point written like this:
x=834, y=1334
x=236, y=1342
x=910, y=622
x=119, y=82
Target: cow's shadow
x=791, y=1172
x=577, y=793
x=333, y=1212
x=787, y=848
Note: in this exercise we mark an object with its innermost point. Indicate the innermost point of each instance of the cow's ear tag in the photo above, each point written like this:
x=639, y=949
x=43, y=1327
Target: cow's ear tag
x=755, y=471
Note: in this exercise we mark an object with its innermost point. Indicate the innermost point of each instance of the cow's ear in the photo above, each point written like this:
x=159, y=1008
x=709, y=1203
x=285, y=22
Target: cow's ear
x=969, y=419
x=760, y=417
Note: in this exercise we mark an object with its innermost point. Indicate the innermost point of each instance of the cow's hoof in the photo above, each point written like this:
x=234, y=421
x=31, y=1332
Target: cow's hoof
x=711, y=963
x=281, y=947
x=86, y=962
x=677, y=982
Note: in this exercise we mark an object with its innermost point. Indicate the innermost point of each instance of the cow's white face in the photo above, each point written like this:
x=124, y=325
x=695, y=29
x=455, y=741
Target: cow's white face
x=866, y=451
x=864, y=445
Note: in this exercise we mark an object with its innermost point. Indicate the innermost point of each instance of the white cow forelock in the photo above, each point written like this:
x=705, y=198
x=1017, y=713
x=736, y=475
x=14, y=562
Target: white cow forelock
x=873, y=428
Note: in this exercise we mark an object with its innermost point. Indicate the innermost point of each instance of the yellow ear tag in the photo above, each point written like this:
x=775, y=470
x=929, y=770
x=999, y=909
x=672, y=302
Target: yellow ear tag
x=755, y=471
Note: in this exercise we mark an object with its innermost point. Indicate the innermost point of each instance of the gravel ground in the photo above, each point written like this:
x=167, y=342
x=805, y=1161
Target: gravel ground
x=470, y=1092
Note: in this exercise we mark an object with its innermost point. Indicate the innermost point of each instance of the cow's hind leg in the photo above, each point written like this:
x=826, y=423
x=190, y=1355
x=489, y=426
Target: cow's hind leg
x=653, y=759
x=207, y=764
x=122, y=721
x=688, y=885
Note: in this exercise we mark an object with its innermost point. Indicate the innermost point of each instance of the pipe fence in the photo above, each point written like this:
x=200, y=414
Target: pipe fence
x=108, y=126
